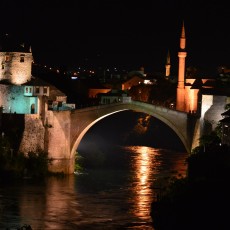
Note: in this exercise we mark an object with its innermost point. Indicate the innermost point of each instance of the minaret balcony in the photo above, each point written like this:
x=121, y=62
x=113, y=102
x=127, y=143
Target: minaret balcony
x=182, y=54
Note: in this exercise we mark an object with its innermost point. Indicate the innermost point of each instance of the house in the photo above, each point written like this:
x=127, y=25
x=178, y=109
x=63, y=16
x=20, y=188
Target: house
x=114, y=96
x=20, y=92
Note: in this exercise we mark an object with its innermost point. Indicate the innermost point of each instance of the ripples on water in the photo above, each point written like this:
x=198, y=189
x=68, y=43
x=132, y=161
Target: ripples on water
x=117, y=196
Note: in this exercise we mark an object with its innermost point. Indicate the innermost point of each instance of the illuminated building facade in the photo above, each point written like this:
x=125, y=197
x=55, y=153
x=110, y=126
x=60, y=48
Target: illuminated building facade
x=20, y=92
x=180, y=103
x=15, y=72
x=188, y=87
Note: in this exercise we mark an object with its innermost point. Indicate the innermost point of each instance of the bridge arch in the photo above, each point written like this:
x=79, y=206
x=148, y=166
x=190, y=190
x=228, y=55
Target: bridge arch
x=86, y=118
x=83, y=132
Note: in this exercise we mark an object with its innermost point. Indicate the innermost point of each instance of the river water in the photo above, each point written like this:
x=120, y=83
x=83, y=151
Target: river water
x=114, y=195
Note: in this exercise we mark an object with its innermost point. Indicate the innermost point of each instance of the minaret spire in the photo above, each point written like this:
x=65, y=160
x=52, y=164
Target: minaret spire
x=180, y=105
x=183, y=31
x=168, y=59
x=182, y=38
x=167, y=66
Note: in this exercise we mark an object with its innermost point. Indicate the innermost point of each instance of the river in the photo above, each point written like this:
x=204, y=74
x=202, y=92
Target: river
x=115, y=194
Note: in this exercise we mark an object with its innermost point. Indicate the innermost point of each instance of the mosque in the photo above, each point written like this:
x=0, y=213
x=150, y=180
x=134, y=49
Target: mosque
x=189, y=88
x=22, y=93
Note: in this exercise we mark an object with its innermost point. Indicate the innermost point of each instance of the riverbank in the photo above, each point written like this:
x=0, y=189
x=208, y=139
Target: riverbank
x=201, y=199
x=19, y=166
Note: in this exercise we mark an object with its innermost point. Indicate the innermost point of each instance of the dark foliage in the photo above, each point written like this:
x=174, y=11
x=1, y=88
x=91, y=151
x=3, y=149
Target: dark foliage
x=18, y=165
x=200, y=200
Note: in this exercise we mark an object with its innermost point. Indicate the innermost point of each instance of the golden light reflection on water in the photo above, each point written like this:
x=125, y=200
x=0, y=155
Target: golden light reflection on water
x=148, y=166
x=105, y=197
x=143, y=165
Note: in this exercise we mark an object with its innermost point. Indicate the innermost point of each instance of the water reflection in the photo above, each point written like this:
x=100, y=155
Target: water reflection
x=105, y=198
x=46, y=205
x=142, y=168
x=150, y=167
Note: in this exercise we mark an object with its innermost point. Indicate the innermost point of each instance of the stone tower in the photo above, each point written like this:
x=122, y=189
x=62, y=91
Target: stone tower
x=180, y=103
x=167, y=66
x=17, y=90
x=16, y=63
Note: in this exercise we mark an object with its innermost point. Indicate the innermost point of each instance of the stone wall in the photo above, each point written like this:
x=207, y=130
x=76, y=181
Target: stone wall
x=33, y=134
x=57, y=139
x=25, y=132
x=211, y=108
x=213, y=115
x=14, y=71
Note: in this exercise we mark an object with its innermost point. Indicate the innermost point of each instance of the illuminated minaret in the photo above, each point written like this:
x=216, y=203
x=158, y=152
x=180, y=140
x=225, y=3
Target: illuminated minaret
x=167, y=66
x=180, y=103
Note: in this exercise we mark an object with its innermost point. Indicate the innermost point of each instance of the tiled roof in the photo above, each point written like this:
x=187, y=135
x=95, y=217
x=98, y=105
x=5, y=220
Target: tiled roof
x=37, y=82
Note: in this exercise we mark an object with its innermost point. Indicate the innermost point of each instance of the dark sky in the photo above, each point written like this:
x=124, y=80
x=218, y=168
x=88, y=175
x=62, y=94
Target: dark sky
x=121, y=32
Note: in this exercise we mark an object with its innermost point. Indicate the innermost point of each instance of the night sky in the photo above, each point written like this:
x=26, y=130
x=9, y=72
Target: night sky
x=120, y=33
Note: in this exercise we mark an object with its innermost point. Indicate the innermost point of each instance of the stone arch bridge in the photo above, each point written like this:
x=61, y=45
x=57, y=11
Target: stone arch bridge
x=67, y=128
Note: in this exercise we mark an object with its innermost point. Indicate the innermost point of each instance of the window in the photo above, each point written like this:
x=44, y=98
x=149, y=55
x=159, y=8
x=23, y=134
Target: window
x=45, y=90
x=22, y=58
x=3, y=67
x=32, y=109
x=28, y=90
x=37, y=90
x=7, y=58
